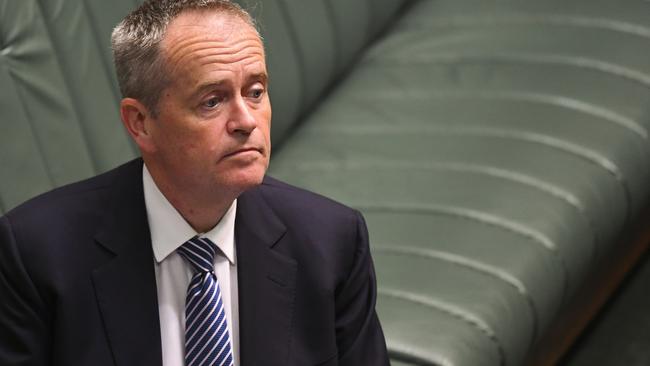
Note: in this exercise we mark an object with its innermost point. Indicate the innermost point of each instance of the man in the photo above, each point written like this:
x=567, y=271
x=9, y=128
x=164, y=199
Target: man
x=193, y=257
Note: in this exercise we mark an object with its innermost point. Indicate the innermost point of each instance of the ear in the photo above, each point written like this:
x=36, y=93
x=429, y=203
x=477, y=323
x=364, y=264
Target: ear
x=136, y=119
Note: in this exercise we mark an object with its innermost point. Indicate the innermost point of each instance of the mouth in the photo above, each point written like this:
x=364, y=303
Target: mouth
x=244, y=151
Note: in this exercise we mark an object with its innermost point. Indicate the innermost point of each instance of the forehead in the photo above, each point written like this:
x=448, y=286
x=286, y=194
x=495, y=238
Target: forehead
x=210, y=23
x=195, y=34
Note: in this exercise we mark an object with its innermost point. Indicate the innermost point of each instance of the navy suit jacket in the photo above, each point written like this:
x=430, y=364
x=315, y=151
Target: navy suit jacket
x=77, y=281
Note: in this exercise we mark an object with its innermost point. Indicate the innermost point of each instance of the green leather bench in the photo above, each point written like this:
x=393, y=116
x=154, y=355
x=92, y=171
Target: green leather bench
x=498, y=149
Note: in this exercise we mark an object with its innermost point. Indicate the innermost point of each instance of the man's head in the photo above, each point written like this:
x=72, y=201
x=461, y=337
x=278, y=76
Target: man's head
x=194, y=82
x=136, y=42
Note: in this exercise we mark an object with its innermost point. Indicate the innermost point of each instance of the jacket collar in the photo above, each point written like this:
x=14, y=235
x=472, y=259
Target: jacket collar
x=266, y=282
x=125, y=287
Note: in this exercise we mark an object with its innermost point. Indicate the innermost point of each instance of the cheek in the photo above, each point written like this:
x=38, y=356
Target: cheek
x=190, y=146
x=185, y=146
x=265, y=123
x=206, y=143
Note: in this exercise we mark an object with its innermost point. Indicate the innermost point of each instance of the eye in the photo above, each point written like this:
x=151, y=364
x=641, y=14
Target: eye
x=256, y=92
x=211, y=103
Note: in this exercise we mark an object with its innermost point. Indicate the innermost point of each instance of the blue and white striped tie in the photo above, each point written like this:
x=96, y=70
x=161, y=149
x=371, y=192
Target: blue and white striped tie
x=207, y=341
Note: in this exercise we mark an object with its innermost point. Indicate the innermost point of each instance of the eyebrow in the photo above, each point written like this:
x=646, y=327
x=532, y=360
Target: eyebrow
x=207, y=86
x=261, y=77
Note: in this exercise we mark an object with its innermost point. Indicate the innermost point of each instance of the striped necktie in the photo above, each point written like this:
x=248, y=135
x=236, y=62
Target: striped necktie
x=207, y=341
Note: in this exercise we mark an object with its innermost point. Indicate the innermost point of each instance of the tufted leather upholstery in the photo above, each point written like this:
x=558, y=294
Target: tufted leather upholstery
x=496, y=148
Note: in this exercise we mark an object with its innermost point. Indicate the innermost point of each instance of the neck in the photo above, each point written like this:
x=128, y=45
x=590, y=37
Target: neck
x=201, y=216
x=201, y=209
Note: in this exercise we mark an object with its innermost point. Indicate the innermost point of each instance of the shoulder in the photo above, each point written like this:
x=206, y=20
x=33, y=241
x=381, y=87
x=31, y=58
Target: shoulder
x=52, y=228
x=73, y=203
x=326, y=238
x=304, y=205
x=319, y=224
x=276, y=190
x=61, y=196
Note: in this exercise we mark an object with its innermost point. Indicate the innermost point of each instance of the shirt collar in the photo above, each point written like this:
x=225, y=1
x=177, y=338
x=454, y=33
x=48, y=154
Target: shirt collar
x=169, y=230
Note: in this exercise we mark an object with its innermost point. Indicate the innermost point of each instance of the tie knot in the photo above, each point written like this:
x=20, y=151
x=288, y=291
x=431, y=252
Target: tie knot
x=200, y=253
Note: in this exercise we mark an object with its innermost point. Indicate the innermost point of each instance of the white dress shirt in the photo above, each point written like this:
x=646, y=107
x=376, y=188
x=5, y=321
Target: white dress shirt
x=173, y=274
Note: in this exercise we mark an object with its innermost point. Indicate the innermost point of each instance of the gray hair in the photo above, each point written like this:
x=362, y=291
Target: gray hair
x=141, y=69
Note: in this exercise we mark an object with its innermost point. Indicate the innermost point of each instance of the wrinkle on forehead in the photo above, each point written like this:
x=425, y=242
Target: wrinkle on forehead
x=203, y=38
x=245, y=60
x=205, y=51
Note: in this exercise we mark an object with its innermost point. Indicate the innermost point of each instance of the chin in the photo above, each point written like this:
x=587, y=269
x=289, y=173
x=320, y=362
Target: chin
x=244, y=179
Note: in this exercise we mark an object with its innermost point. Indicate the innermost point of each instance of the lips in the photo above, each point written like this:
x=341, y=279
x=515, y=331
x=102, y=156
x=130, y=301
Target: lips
x=243, y=151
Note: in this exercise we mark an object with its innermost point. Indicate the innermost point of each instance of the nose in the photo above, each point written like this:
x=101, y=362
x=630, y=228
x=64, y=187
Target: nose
x=241, y=119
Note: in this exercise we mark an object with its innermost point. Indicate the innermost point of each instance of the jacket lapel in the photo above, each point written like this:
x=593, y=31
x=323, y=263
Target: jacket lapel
x=126, y=293
x=125, y=287
x=266, y=280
